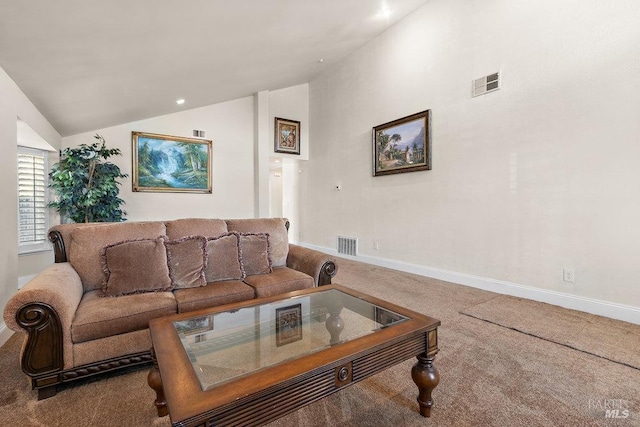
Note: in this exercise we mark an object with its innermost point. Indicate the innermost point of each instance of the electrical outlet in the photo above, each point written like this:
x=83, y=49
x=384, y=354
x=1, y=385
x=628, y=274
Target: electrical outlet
x=375, y=245
x=569, y=275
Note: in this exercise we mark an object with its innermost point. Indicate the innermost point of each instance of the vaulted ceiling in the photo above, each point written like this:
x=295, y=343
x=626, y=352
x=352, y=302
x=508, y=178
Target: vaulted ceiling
x=89, y=64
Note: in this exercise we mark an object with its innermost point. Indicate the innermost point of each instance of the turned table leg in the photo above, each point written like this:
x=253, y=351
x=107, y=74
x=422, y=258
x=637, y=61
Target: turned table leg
x=334, y=322
x=334, y=325
x=426, y=377
x=155, y=382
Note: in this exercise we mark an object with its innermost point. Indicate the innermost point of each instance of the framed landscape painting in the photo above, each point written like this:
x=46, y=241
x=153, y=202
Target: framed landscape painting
x=163, y=163
x=287, y=136
x=195, y=325
x=403, y=145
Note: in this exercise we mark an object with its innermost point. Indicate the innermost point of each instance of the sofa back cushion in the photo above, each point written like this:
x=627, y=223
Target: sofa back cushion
x=134, y=267
x=254, y=253
x=207, y=227
x=87, y=243
x=277, y=230
x=186, y=258
x=223, y=258
x=65, y=231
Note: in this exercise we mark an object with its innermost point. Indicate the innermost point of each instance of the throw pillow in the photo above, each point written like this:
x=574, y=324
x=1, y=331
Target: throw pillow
x=135, y=266
x=186, y=260
x=255, y=254
x=223, y=258
x=88, y=240
x=277, y=230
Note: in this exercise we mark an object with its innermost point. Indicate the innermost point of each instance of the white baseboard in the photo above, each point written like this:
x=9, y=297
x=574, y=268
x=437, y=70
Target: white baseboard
x=5, y=333
x=626, y=313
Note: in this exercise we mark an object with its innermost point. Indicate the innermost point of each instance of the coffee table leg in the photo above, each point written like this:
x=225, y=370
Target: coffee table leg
x=334, y=322
x=155, y=382
x=334, y=325
x=426, y=377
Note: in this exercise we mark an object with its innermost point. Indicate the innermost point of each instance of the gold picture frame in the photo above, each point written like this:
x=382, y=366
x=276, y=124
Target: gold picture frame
x=174, y=164
x=403, y=145
x=287, y=136
x=195, y=325
x=288, y=324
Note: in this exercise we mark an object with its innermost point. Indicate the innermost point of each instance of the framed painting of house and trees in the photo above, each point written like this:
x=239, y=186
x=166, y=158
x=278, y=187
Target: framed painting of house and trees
x=403, y=145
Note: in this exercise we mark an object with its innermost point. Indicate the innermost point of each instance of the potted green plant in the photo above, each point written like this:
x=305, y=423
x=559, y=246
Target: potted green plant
x=86, y=184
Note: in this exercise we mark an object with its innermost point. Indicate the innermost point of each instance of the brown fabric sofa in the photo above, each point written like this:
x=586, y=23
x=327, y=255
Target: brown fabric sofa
x=88, y=313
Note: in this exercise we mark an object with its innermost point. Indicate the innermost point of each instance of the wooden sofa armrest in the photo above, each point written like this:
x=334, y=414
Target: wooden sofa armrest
x=316, y=264
x=44, y=309
x=59, y=250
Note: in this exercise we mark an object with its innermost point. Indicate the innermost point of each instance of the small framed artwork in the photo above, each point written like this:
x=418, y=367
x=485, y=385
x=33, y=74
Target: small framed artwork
x=403, y=145
x=163, y=163
x=288, y=324
x=195, y=325
x=287, y=136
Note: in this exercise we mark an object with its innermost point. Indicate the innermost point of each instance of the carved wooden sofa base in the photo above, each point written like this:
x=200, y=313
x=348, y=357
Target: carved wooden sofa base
x=42, y=356
x=46, y=384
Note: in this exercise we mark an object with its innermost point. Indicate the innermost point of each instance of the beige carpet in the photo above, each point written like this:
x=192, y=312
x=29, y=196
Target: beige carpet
x=586, y=332
x=491, y=375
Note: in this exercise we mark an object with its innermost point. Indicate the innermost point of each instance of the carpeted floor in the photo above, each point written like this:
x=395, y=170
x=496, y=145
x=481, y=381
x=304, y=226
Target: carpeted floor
x=582, y=331
x=503, y=361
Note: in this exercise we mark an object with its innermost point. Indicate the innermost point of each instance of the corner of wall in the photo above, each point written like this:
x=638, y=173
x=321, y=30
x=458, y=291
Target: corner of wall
x=5, y=333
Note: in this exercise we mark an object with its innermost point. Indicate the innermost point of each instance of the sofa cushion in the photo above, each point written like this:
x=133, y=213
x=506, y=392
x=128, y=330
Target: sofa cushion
x=213, y=294
x=195, y=226
x=223, y=258
x=254, y=253
x=135, y=266
x=87, y=243
x=65, y=231
x=281, y=280
x=98, y=317
x=186, y=258
x=277, y=230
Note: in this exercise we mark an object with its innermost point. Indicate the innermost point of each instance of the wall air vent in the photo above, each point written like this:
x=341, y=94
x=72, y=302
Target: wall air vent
x=347, y=245
x=486, y=84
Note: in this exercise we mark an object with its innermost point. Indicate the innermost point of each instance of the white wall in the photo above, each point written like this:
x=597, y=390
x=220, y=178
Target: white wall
x=291, y=103
x=538, y=176
x=229, y=125
x=13, y=105
x=291, y=208
x=275, y=193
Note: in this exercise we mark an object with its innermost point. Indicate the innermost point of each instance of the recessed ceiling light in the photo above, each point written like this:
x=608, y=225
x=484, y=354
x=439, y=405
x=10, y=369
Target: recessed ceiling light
x=384, y=13
x=180, y=101
x=321, y=60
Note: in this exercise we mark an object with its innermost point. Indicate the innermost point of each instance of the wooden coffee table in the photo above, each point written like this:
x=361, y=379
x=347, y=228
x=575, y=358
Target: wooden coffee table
x=252, y=362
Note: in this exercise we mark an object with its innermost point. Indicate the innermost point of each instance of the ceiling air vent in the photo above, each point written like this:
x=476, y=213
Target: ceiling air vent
x=347, y=245
x=486, y=84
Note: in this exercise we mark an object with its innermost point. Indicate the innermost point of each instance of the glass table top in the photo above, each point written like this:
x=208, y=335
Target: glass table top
x=228, y=345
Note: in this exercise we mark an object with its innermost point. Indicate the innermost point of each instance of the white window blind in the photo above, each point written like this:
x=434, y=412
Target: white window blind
x=33, y=217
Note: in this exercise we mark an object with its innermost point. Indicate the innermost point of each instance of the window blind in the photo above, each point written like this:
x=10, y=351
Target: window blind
x=32, y=200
